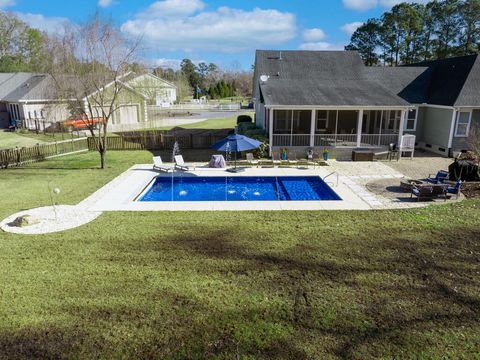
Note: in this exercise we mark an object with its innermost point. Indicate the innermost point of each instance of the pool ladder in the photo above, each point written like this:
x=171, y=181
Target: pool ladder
x=332, y=173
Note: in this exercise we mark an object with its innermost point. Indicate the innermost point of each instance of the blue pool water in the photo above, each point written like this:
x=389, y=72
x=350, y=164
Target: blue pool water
x=241, y=188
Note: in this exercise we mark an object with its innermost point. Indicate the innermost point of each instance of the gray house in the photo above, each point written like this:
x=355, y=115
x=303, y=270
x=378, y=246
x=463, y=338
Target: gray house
x=329, y=99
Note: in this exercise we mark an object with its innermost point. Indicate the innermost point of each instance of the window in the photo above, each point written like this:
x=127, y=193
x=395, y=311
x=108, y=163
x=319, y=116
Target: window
x=463, y=123
x=411, y=120
x=393, y=120
x=322, y=120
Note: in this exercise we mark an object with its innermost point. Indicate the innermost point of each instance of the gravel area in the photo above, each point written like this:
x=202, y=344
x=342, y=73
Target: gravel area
x=50, y=219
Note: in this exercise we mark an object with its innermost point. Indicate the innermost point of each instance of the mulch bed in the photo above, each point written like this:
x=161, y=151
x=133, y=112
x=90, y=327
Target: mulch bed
x=471, y=190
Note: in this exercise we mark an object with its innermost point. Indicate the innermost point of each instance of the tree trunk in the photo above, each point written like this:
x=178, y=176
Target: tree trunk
x=102, y=159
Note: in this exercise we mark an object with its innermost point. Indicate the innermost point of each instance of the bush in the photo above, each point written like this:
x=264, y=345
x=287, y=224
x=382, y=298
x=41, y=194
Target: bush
x=244, y=119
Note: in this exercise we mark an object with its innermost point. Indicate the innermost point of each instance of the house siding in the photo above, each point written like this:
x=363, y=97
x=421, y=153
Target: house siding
x=433, y=129
x=461, y=143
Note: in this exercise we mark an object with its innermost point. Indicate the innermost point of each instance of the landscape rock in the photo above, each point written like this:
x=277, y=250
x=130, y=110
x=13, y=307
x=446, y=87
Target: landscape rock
x=24, y=220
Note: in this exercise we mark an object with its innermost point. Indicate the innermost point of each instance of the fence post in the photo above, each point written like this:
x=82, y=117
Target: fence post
x=56, y=147
x=123, y=143
x=38, y=150
x=18, y=154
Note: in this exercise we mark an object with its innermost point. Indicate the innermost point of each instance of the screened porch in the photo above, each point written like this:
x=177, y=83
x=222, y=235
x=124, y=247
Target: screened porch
x=336, y=128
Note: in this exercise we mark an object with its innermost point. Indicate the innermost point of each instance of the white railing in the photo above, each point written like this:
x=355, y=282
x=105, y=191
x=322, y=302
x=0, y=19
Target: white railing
x=331, y=140
x=291, y=140
x=194, y=106
x=349, y=140
x=378, y=139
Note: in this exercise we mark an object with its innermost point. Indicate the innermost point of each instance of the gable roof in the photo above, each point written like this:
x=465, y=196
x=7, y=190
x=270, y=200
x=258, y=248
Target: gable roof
x=319, y=78
x=449, y=82
x=15, y=87
x=410, y=83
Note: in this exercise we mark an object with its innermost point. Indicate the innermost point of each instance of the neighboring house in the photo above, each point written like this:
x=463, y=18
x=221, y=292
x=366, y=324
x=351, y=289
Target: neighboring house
x=159, y=92
x=329, y=99
x=30, y=98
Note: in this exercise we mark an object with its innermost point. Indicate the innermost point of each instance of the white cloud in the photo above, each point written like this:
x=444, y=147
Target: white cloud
x=52, y=25
x=363, y=5
x=320, y=45
x=105, y=3
x=350, y=28
x=6, y=3
x=224, y=29
x=314, y=34
x=174, y=8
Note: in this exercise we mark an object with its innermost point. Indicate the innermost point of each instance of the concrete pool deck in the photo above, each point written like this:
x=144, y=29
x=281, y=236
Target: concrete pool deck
x=361, y=185
x=121, y=193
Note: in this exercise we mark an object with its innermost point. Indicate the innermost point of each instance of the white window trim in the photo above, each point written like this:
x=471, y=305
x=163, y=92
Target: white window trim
x=468, y=124
x=414, y=123
x=326, y=120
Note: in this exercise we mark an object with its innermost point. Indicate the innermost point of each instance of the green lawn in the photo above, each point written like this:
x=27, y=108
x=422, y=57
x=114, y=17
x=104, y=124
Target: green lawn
x=12, y=139
x=223, y=285
x=222, y=123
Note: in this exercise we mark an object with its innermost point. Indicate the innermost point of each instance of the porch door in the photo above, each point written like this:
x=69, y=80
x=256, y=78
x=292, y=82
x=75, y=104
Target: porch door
x=366, y=122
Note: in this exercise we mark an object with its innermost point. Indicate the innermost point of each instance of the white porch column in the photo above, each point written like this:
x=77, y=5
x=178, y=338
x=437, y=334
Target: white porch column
x=270, y=131
x=400, y=129
x=359, y=128
x=452, y=129
x=312, y=129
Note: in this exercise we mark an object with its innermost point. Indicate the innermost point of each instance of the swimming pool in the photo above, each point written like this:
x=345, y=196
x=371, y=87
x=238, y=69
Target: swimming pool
x=239, y=188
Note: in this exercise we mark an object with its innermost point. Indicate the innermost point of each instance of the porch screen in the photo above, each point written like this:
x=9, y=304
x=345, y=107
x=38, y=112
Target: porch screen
x=282, y=121
x=301, y=121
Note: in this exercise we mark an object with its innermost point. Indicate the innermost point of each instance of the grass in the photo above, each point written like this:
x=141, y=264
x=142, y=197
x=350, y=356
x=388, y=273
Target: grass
x=222, y=123
x=25, y=139
x=250, y=285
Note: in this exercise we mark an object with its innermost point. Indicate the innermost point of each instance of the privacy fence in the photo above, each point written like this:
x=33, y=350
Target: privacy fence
x=19, y=156
x=163, y=140
x=148, y=140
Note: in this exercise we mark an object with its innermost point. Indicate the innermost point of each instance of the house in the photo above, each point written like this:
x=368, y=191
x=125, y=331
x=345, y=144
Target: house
x=30, y=99
x=330, y=99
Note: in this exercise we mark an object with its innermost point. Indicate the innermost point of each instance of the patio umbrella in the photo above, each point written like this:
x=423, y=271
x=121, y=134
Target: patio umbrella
x=237, y=143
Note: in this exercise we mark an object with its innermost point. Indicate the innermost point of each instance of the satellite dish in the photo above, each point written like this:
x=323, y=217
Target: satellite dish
x=264, y=78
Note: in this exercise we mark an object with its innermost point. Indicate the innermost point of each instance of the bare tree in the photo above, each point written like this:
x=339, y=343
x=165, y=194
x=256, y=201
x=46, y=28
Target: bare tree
x=91, y=64
x=473, y=140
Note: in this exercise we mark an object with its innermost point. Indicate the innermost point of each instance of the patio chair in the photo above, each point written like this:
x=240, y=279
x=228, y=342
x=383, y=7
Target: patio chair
x=180, y=164
x=441, y=176
x=422, y=192
x=251, y=160
x=455, y=189
x=160, y=166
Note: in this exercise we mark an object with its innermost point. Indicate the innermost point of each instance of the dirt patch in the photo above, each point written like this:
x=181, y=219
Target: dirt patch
x=471, y=190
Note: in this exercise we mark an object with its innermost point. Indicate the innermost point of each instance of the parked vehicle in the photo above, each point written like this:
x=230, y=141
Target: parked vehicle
x=82, y=123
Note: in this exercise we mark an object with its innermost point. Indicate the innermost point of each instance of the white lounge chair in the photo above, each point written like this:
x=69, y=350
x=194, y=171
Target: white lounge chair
x=251, y=160
x=180, y=164
x=159, y=165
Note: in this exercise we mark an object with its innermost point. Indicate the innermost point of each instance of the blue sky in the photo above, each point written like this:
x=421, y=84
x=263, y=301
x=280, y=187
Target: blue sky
x=224, y=32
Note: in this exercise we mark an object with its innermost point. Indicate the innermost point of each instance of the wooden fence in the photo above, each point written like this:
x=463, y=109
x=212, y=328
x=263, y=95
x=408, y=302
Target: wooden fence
x=158, y=141
x=18, y=156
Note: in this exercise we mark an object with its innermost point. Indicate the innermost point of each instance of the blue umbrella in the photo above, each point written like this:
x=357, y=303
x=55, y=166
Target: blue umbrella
x=237, y=143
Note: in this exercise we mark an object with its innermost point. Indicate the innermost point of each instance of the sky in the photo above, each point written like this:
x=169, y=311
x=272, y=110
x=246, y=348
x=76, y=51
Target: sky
x=224, y=32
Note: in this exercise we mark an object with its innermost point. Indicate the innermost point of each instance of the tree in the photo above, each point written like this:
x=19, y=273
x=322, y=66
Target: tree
x=446, y=15
x=189, y=70
x=365, y=40
x=470, y=36
x=22, y=48
x=89, y=63
x=412, y=32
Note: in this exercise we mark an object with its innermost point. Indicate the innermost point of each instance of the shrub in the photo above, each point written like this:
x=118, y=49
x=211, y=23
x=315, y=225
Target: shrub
x=244, y=119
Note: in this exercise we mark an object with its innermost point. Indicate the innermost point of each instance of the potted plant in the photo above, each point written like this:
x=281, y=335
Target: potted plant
x=325, y=154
